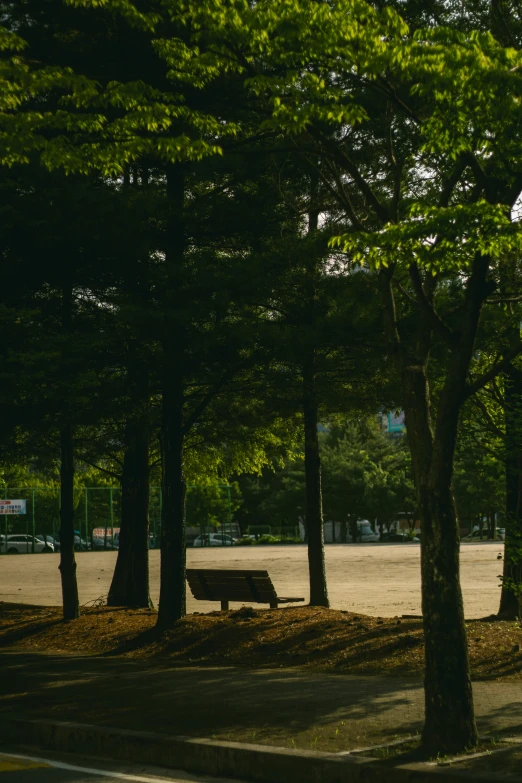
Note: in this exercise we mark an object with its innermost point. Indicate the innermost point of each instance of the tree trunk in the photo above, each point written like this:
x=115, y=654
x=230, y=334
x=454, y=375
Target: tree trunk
x=492, y=525
x=449, y=720
x=314, y=507
x=353, y=528
x=314, y=502
x=512, y=573
x=130, y=583
x=172, y=601
x=71, y=603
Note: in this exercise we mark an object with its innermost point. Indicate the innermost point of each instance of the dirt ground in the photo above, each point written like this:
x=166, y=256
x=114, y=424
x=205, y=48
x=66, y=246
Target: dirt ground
x=307, y=637
x=382, y=580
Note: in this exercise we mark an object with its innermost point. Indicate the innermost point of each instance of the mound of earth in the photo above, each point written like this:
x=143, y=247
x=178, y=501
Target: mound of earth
x=325, y=639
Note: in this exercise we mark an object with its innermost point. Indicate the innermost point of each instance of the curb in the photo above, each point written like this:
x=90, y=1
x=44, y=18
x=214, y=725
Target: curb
x=263, y=763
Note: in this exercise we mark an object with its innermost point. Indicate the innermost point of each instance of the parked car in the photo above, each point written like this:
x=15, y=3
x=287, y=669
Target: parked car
x=48, y=540
x=214, y=539
x=80, y=544
x=399, y=538
x=18, y=544
x=97, y=543
x=365, y=533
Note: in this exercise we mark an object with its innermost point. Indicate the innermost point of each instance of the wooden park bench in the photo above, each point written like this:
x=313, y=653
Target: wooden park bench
x=234, y=585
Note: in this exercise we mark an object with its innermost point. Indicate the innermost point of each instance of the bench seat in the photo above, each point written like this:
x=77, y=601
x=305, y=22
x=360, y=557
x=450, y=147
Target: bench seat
x=227, y=585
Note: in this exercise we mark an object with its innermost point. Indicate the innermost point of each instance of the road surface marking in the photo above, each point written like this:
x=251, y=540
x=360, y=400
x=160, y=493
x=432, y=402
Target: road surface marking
x=38, y=762
x=9, y=763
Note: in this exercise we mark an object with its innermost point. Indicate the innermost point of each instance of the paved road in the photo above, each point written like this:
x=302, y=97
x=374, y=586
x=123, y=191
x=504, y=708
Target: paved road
x=289, y=708
x=376, y=579
x=36, y=767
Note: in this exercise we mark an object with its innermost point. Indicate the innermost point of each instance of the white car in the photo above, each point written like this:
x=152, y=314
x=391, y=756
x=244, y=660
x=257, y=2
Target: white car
x=365, y=533
x=214, y=539
x=18, y=544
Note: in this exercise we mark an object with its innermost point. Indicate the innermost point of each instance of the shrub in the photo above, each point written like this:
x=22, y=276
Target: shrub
x=268, y=540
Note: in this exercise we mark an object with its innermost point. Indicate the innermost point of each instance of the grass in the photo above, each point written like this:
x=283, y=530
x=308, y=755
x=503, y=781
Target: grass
x=410, y=750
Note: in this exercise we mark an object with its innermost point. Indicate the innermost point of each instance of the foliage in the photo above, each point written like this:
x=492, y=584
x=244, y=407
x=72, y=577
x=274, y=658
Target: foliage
x=365, y=475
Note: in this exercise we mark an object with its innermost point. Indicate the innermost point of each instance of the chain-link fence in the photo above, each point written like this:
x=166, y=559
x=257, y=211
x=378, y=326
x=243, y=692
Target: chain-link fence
x=97, y=518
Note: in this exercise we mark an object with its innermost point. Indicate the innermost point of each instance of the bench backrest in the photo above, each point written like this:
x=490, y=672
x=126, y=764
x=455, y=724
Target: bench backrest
x=231, y=585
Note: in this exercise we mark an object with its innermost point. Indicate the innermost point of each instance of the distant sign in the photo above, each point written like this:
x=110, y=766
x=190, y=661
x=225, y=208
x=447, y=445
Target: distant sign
x=101, y=532
x=12, y=507
x=396, y=422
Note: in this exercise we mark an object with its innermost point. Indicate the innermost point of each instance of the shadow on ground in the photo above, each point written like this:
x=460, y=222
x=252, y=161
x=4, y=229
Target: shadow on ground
x=286, y=707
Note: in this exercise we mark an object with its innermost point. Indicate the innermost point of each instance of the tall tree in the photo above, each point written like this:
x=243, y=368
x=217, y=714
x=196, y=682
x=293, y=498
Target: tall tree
x=312, y=457
x=512, y=573
x=402, y=106
x=71, y=603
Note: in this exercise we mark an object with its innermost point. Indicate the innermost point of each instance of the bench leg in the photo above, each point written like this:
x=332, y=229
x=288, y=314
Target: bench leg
x=224, y=606
x=274, y=605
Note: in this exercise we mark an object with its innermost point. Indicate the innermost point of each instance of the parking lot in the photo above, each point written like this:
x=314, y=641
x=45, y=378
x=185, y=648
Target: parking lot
x=376, y=579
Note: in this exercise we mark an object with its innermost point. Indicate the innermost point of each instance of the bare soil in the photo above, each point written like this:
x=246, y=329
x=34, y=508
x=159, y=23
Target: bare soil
x=382, y=580
x=309, y=637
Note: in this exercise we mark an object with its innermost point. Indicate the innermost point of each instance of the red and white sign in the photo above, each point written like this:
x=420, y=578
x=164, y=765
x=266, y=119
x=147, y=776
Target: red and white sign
x=101, y=532
x=12, y=506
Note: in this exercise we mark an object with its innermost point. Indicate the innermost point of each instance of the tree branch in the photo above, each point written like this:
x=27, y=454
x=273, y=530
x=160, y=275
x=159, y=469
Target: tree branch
x=501, y=300
x=99, y=467
x=389, y=91
x=344, y=160
x=492, y=426
x=495, y=370
x=451, y=181
x=435, y=320
x=340, y=194
x=205, y=402
x=390, y=313
x=480, y=175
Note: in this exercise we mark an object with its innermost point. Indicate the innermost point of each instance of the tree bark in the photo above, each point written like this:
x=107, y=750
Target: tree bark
x=343, y=531
x=492, y=525
x=353, y=528
x=314, y=503
x=449, y=719
x=67, y=567
x=130, y=582
x=314, y=507
x=172, y=602
x=71, y=603
x=512, y=573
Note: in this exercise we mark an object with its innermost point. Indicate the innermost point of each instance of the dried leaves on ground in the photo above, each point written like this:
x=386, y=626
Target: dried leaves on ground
x=311, y=637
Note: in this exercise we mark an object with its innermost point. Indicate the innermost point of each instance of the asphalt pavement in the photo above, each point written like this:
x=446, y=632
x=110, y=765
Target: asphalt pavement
x=38, y=767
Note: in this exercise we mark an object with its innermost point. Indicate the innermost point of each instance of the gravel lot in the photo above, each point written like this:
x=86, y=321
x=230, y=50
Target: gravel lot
x=375, y=579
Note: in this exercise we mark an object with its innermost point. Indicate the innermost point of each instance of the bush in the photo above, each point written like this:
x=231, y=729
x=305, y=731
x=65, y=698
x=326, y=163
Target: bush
x=267, y=540
x=245, y=542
